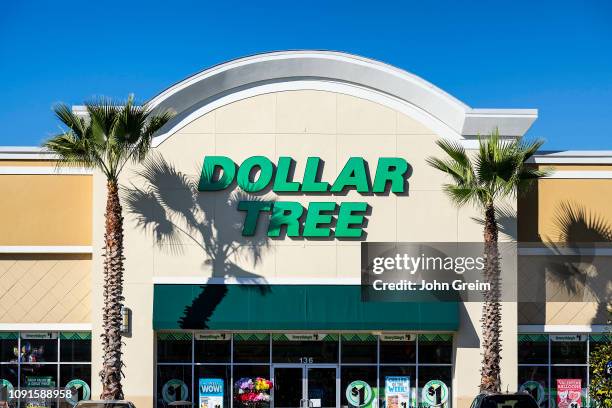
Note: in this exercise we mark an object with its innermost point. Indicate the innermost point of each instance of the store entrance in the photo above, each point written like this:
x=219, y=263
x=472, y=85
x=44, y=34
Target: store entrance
x=305, y=386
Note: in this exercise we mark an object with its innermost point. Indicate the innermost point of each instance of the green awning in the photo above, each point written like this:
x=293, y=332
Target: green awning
x=292, y=307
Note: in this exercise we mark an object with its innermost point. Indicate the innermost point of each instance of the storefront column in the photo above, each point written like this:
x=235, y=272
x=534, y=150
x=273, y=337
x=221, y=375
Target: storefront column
x=138, y=349
x=509, y=336
x=468, y=356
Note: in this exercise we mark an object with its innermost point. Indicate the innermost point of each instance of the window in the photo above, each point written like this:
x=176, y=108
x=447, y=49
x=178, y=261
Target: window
x=222, y=372
x=352, y=373
x=286, y=350
x=213, y=350
x=397, y=371
x=535, y=380
x=248, y=371
x=568, y=349
x=9, y=372
x=428, y=373
x=435, y=348
x=47, y=359
x=398, y=351
x=533, y=349
x=183, y=358
x=173, y=384
x=174, y=347
x=74, y=348
x=558, y=372
x=8, y=345
x=36, y=349
x=359, y=349
x=251, y=348
x=543, y=359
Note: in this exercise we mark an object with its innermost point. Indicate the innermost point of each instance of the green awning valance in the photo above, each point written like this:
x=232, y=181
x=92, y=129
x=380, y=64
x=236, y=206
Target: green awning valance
x=292, y=307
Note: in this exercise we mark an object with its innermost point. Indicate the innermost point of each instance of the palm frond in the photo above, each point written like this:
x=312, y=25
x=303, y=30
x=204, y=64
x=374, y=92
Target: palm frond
x=527, y=178
x=153, y=123
x=462, y=195
x=71, y=150
x=451, y=168
x=103, y=115
x=498, y=169
x=111, y=135
x=131, y=121
x=528, y=149
x=72, y=121
x=455, y=151
x=458, y=165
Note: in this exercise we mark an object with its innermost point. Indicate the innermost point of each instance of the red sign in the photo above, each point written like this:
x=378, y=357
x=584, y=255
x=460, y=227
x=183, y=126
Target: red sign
x=569, y=392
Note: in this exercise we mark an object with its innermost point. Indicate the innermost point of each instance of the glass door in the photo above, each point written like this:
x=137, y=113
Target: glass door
x=322, y=386
x=288, y=391
x=305, y=386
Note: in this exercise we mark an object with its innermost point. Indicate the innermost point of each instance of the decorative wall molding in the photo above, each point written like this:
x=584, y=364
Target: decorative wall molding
x=44, y=249
x=45, y=326
x=40, y=170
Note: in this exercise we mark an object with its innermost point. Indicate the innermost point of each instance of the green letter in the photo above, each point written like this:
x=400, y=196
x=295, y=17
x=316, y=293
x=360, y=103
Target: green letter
x=285, y=213
x=208, y=172
x=353, y=174
x=281, y=182
x=314, y=218
x=390, y=169
x=253, y=208
x=265, y=173
x=348, y=221
x=310, y=183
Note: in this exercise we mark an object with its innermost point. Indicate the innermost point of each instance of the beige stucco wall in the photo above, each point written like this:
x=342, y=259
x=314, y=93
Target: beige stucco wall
x=297, y=124
x=45, y=288
x=38, y=211
x=543, y=209
x=567, y=211
x=564, y=290
x=45, y=210
x=334, y=127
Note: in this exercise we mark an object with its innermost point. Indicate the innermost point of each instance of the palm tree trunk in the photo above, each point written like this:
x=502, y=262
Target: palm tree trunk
x=111, y=372
x=491, y=309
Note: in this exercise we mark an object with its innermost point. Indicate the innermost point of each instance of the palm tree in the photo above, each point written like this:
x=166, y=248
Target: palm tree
x=110, y=136
x=496, y=172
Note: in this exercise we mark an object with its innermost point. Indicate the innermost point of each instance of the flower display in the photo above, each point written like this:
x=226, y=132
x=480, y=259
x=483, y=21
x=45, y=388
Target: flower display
x=253, y=393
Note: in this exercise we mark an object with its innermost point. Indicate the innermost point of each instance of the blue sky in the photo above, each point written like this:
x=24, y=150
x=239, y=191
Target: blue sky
x=552, y=55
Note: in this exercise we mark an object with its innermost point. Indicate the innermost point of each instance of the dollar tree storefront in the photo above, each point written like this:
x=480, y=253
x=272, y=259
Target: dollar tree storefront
x=249, y=220
x=309, y=368
x=312, y=341
x=244, y=232
x=295, y=160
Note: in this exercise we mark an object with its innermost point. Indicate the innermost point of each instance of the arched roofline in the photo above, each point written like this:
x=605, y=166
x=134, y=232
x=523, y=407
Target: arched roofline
x=339, y=72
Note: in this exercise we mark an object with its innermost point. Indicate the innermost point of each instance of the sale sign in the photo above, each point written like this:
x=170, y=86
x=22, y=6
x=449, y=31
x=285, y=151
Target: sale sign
x=569, y=392
x=211, y=393
x=397, y=392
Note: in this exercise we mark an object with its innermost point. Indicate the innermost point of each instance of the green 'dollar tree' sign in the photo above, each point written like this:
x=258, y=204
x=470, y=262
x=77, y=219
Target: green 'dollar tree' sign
x=257, y=173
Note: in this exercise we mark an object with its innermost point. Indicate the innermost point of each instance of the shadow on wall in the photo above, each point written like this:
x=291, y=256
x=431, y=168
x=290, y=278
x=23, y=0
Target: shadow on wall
x=506, y=221
x=169, y=208
x=582, y=276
